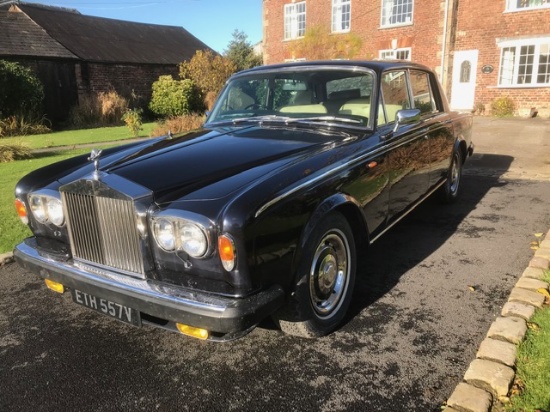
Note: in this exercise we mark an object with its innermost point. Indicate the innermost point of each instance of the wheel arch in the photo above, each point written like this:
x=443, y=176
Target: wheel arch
x=348, y=207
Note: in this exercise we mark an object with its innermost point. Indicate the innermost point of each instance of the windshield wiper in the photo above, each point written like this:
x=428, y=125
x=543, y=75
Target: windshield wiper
x=324, y=119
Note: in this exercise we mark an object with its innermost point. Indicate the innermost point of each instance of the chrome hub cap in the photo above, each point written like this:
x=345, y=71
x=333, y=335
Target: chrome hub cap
x=329, y=275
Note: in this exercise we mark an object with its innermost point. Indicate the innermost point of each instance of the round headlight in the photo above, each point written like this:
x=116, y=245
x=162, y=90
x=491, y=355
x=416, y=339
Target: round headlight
x=193, y=240
x=55, y=211
x=38, y=208
x=164, y=234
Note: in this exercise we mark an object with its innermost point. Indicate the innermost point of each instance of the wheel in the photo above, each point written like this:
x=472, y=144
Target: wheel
x=326, y=277
x=451, y=188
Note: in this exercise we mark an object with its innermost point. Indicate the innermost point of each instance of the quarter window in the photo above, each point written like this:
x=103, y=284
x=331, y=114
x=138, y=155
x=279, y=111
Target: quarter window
x=295, y=20
x=397, y=54
x=517, y=5
x=525, y=63
x=396, y=12
x=341, y=15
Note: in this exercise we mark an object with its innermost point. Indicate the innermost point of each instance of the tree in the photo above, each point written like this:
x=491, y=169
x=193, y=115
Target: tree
x=208, y=71
x=21, y=93
x=319, y=44
x=241, y=52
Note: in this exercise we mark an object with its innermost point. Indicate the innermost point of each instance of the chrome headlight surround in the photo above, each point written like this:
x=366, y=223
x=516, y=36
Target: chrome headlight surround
x=176, y=230
x=46, y=207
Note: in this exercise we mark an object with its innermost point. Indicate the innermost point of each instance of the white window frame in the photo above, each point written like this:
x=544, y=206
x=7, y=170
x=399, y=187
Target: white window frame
x=341, y=16
x=387, y=13
x=515, y=5
x=393, y=54
x=292, y=26
x=510, y=65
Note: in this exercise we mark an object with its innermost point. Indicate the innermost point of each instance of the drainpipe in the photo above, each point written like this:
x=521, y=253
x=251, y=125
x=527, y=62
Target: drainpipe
x=444, y=47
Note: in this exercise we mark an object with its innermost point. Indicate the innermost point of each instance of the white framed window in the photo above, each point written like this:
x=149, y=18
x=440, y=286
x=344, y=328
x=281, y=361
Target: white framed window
x=396, y=12
x=525, y=62
x=395, y=54
x=341, y=15
x=518, y=5
x=295, y=20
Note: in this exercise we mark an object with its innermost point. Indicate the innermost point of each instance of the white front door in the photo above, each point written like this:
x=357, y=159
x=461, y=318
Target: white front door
x=464, y=80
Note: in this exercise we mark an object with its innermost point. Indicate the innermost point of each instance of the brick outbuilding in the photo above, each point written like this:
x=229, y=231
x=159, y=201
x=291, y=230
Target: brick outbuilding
x=85, y=55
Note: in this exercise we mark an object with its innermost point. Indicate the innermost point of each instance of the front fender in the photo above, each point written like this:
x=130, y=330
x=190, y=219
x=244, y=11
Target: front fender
x=344, y=204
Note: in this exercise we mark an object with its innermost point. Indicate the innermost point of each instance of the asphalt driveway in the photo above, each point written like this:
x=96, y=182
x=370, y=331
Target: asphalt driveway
x=426, y=294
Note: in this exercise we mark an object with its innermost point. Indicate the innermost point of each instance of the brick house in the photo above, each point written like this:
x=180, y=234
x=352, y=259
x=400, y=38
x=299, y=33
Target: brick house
x=480, y=50
x=86, y=55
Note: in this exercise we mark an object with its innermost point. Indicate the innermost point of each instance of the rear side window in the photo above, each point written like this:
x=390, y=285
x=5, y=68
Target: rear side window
x=422, y=92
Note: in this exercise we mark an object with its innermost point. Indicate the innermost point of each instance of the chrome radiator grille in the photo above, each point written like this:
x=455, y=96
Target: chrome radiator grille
x=103, y=231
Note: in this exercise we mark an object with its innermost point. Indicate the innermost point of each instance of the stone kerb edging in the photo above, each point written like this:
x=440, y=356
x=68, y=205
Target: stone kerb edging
x=6, y=258
x=490, y=376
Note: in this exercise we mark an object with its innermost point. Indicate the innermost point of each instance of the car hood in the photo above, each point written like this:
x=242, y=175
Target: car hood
x=198, y=159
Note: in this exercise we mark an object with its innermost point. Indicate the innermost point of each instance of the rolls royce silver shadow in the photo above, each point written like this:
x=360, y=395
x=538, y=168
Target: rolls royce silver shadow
x=260, y=213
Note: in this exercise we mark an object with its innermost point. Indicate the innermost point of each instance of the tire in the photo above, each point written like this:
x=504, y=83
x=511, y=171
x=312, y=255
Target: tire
x=451, y=188
x=326, y=277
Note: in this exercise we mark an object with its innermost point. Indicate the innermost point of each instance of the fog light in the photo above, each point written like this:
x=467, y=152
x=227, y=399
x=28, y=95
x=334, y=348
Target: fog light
x=55, y=286
x=192, y=331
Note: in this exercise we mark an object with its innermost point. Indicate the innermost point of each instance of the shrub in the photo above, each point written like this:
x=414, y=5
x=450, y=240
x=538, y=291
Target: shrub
x=103, y=109
x=113, y=106
x=11, y=152
x=175, y=97
x=21, y=93
x=502, y=107
x=178, y=124
x=20, y=126
x=208, y=71
x=132, y=118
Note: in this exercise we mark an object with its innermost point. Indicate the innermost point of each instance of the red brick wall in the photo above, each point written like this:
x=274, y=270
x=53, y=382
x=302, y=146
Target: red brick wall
x=94, y=78
x=424, y=35
x=475, y=25
x=479, y=24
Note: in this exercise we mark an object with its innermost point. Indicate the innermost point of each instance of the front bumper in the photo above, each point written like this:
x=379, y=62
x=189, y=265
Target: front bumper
x=222, y=315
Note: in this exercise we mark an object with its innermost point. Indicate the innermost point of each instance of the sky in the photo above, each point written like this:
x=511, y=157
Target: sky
x=211, y=21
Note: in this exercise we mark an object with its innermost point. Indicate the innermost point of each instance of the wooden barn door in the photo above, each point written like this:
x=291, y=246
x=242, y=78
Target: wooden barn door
x=60, y=90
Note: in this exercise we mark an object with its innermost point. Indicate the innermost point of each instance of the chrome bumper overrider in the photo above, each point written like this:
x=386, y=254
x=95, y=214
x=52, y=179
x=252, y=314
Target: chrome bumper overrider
x=169, y=302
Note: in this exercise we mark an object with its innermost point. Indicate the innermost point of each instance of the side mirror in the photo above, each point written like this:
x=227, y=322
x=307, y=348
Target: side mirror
x=406, y=116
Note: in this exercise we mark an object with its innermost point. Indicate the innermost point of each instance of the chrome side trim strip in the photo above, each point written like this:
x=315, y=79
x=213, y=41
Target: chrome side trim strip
x=322, y=176
x=408, y=211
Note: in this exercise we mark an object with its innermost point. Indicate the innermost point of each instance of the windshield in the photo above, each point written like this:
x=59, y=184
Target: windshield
x=340, y=96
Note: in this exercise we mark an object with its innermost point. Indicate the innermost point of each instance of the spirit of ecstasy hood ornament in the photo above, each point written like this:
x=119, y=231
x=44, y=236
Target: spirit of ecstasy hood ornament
x=94, y=157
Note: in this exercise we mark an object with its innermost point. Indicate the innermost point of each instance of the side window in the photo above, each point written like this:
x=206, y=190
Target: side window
x=422, y=92
x=394, y=96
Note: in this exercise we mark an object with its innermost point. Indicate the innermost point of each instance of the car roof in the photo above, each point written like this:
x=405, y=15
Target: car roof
x=376, y=65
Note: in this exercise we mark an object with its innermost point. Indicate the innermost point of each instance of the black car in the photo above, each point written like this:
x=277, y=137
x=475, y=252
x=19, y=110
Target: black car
x=259, y=213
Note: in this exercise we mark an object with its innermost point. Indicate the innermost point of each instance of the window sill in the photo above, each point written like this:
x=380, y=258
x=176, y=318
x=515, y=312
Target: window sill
x=396, y=26
x=521, y=86
x=526, y=9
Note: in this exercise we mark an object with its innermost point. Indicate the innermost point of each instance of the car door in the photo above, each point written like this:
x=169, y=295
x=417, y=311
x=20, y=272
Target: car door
x=436, y=124
x=408, y=146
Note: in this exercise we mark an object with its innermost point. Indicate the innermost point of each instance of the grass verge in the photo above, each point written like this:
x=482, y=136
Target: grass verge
x=77, y=137
x=533, y=366
x=12, y=231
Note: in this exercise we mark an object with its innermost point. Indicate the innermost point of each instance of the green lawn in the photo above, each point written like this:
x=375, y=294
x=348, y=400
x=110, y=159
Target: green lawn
x=76, y=137
x=12, y=230
x=533, y=365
